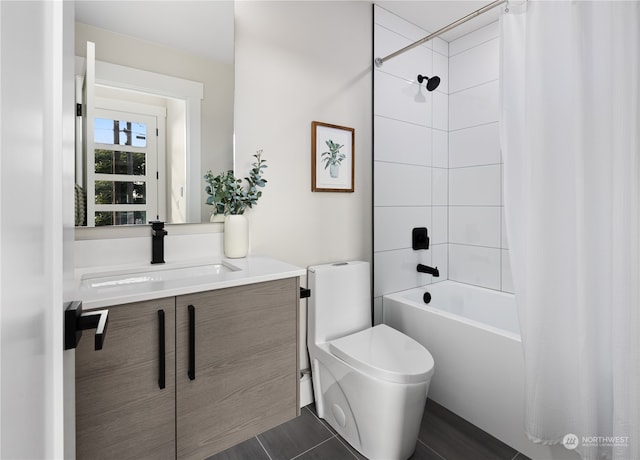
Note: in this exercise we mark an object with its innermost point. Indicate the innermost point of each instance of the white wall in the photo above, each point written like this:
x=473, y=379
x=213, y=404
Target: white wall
x=478, y=250
x=298, y=62
x=410, y=156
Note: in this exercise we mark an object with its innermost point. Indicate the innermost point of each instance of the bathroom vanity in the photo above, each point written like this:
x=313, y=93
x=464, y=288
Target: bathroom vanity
x=191, y=364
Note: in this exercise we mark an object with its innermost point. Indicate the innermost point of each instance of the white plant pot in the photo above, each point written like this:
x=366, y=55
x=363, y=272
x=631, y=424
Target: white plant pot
x=236, y=236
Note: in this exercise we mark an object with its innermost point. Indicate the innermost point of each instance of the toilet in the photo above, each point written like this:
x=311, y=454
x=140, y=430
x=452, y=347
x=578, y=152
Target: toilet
x=370, y=383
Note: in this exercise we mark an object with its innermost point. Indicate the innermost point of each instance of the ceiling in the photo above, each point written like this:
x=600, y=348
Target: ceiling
x=205, y=27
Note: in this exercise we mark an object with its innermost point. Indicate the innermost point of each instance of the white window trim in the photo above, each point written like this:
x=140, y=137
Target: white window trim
x=192, y=92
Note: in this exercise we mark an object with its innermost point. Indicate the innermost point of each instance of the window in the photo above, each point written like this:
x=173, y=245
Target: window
x=122, y=173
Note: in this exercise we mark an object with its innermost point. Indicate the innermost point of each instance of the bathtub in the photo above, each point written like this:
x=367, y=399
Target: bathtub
x=473, y=336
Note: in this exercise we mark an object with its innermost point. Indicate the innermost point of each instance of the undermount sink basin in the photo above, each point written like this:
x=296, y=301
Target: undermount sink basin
x=156, y=273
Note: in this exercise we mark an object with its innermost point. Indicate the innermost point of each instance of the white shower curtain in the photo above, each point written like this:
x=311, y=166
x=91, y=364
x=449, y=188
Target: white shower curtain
x=570, y=133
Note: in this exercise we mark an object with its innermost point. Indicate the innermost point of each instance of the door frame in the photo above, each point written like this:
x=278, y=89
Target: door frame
x=36, y=228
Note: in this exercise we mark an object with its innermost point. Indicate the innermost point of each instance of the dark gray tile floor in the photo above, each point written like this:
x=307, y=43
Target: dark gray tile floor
x=443, y=436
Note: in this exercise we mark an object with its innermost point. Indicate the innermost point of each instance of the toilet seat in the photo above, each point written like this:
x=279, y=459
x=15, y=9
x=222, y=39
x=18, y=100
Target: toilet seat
x=385, y=353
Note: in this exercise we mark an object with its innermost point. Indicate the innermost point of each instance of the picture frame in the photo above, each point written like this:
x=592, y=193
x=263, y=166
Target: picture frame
x=332, y=158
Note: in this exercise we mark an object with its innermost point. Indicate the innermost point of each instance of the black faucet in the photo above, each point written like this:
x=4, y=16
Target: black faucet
x=157, y=241
x=428, y=270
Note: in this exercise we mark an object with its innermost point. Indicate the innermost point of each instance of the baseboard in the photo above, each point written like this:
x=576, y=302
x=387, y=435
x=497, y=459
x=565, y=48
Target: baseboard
x=306, y=391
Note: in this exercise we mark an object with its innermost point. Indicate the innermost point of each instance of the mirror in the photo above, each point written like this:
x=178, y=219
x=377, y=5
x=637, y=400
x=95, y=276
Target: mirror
x=181, y=42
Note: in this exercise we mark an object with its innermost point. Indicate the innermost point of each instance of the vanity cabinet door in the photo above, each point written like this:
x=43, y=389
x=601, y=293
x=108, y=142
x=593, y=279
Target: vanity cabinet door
x=244, y=374
x=121, y=411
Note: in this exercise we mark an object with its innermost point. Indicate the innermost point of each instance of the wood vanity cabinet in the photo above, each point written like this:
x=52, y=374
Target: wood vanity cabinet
x=243, y=378
x=231, y=372
x=121, y=411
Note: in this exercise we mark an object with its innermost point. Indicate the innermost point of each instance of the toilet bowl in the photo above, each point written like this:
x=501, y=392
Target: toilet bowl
x=370, y=383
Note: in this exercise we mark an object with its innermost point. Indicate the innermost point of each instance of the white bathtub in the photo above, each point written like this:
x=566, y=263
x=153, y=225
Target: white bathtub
x=473, y=336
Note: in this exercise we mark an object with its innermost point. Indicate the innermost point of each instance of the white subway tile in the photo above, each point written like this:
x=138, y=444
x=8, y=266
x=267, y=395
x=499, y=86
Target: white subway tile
x=504, y=244
x=440, y=111
x=441, y=69
x=475, y=265
x=401, y=185
x=393, y=226
x=440, y=187
x=401, y=142
x=478, y=145
x=404, y=65
x=440, y=46
x=475, y=186
x=474, y=106
x=474, y=38
x=507, y=278
x=439, y=224
x=476, y=225
x=396, y=270
x=440, y=145
x=396, y=23
x=440, y=259
x=474, y=66
x=401, y=99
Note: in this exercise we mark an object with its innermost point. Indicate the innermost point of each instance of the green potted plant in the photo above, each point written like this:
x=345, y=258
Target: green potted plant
x=230, y=198
x=333, y=158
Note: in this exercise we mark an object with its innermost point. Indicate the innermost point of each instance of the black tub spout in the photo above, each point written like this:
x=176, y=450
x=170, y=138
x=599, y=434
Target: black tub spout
x=428, y=270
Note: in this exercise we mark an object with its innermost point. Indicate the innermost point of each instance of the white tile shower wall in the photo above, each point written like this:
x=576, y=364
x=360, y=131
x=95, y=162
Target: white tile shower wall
x=401, y=142
x=478, y=251
x=437, y=159
x=410, y=155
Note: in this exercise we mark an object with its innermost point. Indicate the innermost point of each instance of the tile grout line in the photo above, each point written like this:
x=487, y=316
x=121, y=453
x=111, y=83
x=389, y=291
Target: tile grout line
x=263, y=448
x=345, y=446
x=320, y=420
x=310, y=449
x=431, y=449
x=340, y=440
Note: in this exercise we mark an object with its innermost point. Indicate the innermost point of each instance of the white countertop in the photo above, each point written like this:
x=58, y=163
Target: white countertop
x=248, y=270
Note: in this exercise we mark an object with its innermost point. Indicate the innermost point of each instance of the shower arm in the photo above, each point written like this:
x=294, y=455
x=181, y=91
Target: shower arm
x=484, y=9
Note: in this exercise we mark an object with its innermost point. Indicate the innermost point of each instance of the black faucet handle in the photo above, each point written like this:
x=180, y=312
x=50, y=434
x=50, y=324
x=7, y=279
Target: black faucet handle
x=157, y=228
x=157, y=241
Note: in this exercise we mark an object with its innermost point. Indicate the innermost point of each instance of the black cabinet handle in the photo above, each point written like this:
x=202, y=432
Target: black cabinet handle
x=192, y=342
x=97, y=320
x=75, y=321
x=161, y=350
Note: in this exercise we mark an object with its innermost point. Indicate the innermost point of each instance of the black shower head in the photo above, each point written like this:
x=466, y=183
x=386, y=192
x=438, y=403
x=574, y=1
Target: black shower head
x=432, y=83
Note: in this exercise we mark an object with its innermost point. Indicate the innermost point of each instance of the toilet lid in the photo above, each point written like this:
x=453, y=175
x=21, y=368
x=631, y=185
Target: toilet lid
x=385, y=353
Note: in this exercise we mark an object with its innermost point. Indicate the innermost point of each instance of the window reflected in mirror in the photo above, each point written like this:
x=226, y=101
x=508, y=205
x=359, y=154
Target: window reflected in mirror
x=195, y=127
x=120, y=132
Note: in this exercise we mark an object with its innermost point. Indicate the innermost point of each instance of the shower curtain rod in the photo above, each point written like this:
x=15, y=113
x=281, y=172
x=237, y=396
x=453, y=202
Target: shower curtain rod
x=484, y=9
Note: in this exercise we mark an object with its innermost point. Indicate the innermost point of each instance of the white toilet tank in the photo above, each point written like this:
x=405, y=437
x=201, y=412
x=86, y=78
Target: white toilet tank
x=340, y=302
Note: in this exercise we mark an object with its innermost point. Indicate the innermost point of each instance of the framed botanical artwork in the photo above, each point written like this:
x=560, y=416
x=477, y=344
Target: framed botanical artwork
x=332, y=157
